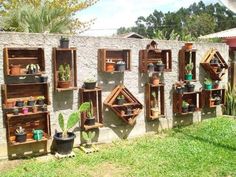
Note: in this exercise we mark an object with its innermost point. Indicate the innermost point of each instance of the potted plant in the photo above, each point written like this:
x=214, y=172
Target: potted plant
x=189, y=87
x=160, y=66
x=32, y=68
x=25, y=110
x=185, y=107
x=10, y=103
x=120, y=66
x=37, y=134
x=31, y=101
x=44, y=108
x=155, y=108
x=214, y=61
x=88, y=138
x=155, y=80
x=150, y=67
x=217, y=100
x=191, y=108
x=64, y=42
x=120, y=99
x=179, y=87
x=90, y=120
x=64, y=76
x=40, y=100
x=208, y=84
x=216, y=84
x=19, y=103
x=15, y=69
x=34, y=108
x=15, y=111
x=90, y=83
x=43, y=78
x=20, y=134
x=188, y=69
x=110, y=65
x=64, y=140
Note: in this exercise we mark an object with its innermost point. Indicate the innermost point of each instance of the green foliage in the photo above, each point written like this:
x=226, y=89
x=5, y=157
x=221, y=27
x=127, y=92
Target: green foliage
x=207, y=81
x=61, y=122
x=90, y=111
x=185, y=104
x=230, y=100
x=186, y=24
x=88, y=136
x=189, y=67
x=64, y=72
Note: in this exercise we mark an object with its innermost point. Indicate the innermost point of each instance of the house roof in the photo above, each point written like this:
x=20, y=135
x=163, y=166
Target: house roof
x=131, y=35
x=222, y=34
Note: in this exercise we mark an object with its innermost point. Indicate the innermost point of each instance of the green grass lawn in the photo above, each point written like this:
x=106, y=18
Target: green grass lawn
x=204, y=149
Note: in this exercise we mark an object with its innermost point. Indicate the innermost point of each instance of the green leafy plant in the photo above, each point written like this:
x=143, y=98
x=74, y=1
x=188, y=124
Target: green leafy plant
x=72, y=120
x=185, y=104
x=121, y=97
x=230, y=101
x=88, y=136
x=41, y=98
x=90, y=80
x=189, y=68
x=64, y=72
x=90, y=111
x=20, y=130
x=207, y=81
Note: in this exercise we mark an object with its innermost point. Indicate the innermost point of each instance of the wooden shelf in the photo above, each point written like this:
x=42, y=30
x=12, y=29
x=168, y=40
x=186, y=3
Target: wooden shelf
x=94, y=95
x=28, y=141
x=29, y=114
x=151, y=55
x=63, y=56
x=185, y=57
x=23, y=58
x=150, y=101
x=89, y=127
x=216, y=71
x=130, y=102
x=114, y=55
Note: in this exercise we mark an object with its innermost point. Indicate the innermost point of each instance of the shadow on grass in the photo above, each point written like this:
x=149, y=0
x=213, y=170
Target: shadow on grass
x=228, y=147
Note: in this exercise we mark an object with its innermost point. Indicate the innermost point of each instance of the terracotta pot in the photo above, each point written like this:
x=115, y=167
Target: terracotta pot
x=188, y=46
x=63, y=84
x=110, y=67
x=15, y=70
x=155, y=112
x=10, y=104
x=155, y=81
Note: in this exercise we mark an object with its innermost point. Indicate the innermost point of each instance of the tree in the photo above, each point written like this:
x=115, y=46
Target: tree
x=69, y=8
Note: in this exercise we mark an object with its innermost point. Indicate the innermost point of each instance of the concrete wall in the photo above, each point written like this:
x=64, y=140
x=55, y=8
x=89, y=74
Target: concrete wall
x=87, y=48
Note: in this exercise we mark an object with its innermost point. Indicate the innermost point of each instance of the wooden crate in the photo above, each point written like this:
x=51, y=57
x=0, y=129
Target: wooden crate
x=13, y=92
x=114, y=55
x=65, y=56
x=185, y=56
x=152, y=54
x=30, y=121
x=149, y=100
x=216, y=71
x=94, y=95
x=130, y=102
x=190, y=97
x=208, y=97
x=22, y=57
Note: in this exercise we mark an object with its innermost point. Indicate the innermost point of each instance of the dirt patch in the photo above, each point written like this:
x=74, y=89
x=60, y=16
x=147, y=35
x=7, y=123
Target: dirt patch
x=108, y=170
x=9, y=164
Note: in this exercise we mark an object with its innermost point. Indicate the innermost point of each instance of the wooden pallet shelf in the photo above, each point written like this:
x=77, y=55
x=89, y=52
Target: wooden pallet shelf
x=214, y=64
x=63, y=56
x=114, y=55
x=94, y=95
x=185, y=57
x=151, y=55
x=208, y=97
x=194, y=98
x=150, y=100
x=130, y=103
x=23, y=57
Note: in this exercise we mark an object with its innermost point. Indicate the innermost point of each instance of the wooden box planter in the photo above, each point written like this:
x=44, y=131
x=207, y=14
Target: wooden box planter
x=108, y=59
x=214, y=64
x=151, y=55
x=209, y=97
x=16, y=61
x=150, y=101
x=94, y=95
x=40, y=120
x=129, y=110
x=194, y=98
x=14, y=92
x=185, y=56
x=63, y=56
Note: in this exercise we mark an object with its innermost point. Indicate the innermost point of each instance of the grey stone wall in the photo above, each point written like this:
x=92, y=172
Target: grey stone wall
x=87, y=48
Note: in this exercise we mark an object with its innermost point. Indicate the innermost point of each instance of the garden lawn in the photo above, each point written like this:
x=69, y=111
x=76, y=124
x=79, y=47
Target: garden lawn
x=204, y=149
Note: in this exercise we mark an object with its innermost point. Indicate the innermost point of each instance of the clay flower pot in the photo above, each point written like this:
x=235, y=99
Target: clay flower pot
x=188, y=45
x=63, y=84
x=15, y=69
x=110, y=66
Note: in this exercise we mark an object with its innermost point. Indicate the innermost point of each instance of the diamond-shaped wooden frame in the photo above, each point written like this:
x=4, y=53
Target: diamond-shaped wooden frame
x=130, y=102
x=215, y=70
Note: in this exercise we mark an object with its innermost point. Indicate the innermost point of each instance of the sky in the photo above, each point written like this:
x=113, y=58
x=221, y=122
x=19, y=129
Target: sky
x=109, y=15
